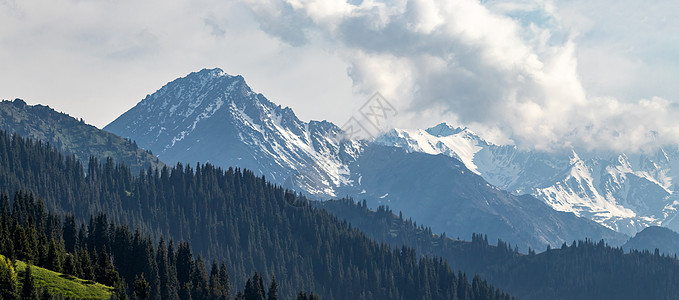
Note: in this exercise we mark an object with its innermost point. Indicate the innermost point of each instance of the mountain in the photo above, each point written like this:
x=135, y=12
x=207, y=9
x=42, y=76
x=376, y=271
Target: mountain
x=654, y=237
x=71, y=136
x=445, y=195
x=230, y=215
x=211, y=116
x=622, y=191
x=252, y=225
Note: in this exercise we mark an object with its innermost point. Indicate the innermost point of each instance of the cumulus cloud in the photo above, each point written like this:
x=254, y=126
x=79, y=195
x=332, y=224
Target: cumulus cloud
x=512, y=70
x=537, y=73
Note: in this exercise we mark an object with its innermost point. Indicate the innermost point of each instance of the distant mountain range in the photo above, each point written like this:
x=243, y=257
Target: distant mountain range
x=445, y=178
x=72, y=136
x=211, y=116
x=625, y=192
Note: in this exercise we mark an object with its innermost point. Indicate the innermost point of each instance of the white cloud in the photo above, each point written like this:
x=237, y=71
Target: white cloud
x=542, y=74
x=96, y=59
x=510, y=69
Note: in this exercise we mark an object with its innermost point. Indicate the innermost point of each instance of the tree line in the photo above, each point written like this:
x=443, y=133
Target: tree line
x=230, y=215
x=584, y=269
x=108, y=254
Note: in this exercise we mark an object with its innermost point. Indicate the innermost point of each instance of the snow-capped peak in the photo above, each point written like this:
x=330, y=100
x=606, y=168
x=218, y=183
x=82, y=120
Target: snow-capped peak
x=445, y=129
x=441, y=139
x=211, y=116
x=621, y=191
x=189, y=112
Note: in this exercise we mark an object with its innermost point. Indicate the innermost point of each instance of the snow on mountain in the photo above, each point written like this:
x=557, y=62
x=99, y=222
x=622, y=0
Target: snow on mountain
x=217, y=118
x=624, y=192
x=454, y=142
x=211, y=116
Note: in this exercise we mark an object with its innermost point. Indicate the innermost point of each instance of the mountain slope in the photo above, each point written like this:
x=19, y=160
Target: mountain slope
x=578, y=270
x=210, y=116
x=654, y=237
x=65, y=285
x=625, y=192
x=441, y=193
x=224, y=214
x=71, y=136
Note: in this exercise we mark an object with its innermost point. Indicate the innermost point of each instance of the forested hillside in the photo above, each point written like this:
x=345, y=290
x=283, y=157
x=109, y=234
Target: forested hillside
x=71, y=136
x=654, y=237
x=236, y=216
x=578, y=270
x=106, y=253
x=383, y=225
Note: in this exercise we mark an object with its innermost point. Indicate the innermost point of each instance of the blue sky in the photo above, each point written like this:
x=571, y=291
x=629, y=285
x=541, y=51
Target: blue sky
x=540, y=74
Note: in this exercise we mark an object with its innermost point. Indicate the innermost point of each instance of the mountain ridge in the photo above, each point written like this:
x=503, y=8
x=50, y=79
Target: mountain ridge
x=225, y=104
x=655, y=237
x=72, y=136
x=624, y=192
x=210, y=116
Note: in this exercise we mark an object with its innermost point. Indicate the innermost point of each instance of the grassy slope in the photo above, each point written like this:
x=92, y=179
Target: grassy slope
x=65, y=285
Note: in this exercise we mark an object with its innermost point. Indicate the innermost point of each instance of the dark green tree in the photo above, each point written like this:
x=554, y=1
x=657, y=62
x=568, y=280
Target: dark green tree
x=8, y=279
x=254, y=289
x=167, y=277
x=217, y=291
x=120, y=290
x=273, y=290
x=54, y=257
x=69, y=265
x=28, y=290
x=200, y=288
x=224, y=279
x=141, y=288
x=70, y=232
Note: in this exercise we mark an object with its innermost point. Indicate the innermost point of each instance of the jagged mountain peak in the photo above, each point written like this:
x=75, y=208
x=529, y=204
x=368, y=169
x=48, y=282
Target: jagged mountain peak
x=623, y=191
x=445, y=129
x=219, y=119
x=209, y=116
x=444, y=138
x=17, y=102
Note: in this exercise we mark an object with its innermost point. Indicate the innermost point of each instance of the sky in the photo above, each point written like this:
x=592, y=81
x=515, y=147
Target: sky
x=539, y=74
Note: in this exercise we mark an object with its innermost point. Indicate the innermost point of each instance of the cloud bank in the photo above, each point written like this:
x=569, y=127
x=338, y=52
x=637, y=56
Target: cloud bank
x=511, y=70
x=537, y=73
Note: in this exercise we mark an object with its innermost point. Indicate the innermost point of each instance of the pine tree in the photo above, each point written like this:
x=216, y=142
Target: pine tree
x=254, y=289
x=304, y=296
x=273, y=290
x=168, y=279
x=29, y=290
x=69, y=265
x=225, y=281
x=86, y=265
x=199, y=280
x=54, y=257
x=141, y=288
x=8, y=279
x=70, y=233
x=120, y=290
x=184, y=263
x=216, y=288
